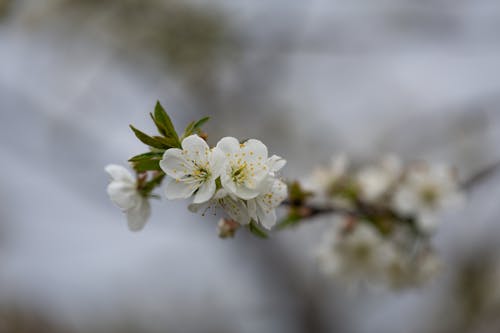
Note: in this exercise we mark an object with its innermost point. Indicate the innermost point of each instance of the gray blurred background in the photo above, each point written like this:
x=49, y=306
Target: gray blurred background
x=310, y=79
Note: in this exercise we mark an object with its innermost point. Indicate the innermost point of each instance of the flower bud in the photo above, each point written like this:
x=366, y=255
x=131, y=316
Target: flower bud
x=227, y=228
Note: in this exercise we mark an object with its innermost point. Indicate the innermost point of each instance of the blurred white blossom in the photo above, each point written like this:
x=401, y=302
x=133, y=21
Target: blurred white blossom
x=424, y=190
x=353, y=255
x=123, y=192
x=375, y=180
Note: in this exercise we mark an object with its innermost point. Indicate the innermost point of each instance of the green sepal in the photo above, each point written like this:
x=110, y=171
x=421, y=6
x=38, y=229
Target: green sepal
x=256, y=230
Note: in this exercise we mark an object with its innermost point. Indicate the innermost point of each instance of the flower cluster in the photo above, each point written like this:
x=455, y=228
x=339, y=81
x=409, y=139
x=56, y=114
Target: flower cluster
x=239, y=177
x=384, y=214
x=358, y=255
x=387, y=213
x=388, y=192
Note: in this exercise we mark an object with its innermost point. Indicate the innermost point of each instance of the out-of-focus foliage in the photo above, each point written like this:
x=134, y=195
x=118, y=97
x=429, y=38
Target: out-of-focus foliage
x=191, y=39
x=4, y=7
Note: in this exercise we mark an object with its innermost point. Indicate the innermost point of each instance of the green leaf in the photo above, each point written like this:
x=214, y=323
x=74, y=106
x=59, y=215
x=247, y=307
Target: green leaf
x=257, y=231
x=146, y=156
x=150, y=185
x=195, y=126
x=288, y=221
x=164, y=122
x=146, y=139
x=168, y=142
x=159, y=126
x=146, y=165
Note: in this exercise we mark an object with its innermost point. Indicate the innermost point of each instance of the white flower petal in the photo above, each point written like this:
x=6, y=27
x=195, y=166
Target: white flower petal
x=236, y=209
x=179, y=190
x=252, y=209
x=216, y=161
x=193, y=143
x=119, y=173
x=138, y=215
x=275, y=163
x=175, y=164
x=228, y=145
x=205, y=192
x=244, y=192
x=124, y=195
x=268, y=219
x=255, y=149
x=196, y=148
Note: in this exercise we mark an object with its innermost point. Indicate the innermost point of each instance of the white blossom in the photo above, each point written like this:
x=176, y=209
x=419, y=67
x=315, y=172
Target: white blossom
x=194, y=168
x=263, y=208
x=235, y=207
x=375, y=181
x=424, y=190
x=324, y=177
x=245, y=168
x=123, y=192
x=353, y=256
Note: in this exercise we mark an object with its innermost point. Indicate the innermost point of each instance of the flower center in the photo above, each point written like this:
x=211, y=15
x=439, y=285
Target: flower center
x=239, y=172
x=429, y=195
x=200, y=172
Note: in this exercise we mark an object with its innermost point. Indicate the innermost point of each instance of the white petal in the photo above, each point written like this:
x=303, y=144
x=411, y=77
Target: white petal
x=252, y=209
x=255, y=149
x=138, y=215
x=174, y=163
x=427, y=221
x=228, y=145
x=268, y=219
x=217, y=159
x=245, y=193
x=195, y=208
x=119, y=173
x=196, y=148
x=236, y=209
x=193, y=143
x=279, y=191
x=179, y=190
x=275, y=163
x=227, y=182
x=124, y=195
x=205, y=192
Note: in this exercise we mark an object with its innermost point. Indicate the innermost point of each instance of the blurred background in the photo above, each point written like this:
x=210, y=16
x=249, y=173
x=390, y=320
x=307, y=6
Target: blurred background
x=309, y=78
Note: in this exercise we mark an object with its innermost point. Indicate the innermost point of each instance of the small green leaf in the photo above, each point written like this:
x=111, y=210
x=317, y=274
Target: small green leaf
x=168, y=142
x=150, y=185
x=146, y=165
x=195, y=126
x=146, y=156
x=288, y=221
x=146, y=139
x=257, y=231
x=162, y=120
x=159, y=126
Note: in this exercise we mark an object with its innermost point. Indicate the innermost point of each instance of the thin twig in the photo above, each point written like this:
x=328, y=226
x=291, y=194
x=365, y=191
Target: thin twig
x=480, y=176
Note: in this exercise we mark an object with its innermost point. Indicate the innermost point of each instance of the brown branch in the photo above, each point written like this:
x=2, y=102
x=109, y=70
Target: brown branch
x=304, y=210
x=481, y=176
